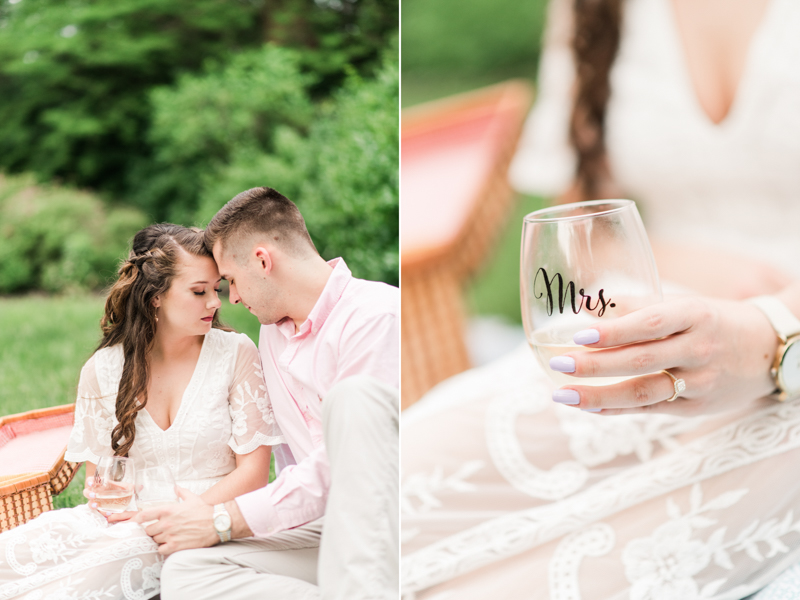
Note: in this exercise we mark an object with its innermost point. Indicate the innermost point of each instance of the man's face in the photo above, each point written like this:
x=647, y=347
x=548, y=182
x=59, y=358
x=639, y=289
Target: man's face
x=248, y=283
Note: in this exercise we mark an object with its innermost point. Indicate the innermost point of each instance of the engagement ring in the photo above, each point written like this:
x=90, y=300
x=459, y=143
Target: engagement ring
x=678, y=384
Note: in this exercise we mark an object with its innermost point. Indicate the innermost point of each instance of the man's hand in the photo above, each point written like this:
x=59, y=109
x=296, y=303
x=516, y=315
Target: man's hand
x=722, y=349
x=181, y=526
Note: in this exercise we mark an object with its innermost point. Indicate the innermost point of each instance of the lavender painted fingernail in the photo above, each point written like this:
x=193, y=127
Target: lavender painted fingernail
x=566, y=397
x=92, y=495
x=595, y=410
x=586, y=336
x=562, y=364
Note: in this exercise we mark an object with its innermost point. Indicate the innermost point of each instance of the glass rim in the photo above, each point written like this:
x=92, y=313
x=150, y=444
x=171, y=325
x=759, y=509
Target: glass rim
x=534, y=218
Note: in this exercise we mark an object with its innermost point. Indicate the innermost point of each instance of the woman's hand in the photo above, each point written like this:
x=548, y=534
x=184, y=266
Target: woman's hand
x=88, y=487
x=722, y=349
x=89, y=494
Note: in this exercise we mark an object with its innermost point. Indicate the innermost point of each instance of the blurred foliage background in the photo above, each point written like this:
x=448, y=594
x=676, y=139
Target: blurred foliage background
x=168, y=108
x=452, y=46
x=118, y=113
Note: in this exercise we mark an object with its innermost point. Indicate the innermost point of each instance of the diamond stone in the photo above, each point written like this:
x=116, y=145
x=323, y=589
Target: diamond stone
x=680, y=386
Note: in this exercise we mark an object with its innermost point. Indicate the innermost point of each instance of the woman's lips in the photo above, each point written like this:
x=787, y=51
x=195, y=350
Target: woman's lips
x=208, y=319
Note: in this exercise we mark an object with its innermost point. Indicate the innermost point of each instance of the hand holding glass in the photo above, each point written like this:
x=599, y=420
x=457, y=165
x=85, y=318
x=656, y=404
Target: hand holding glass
x=113, y=483
x=582, y=263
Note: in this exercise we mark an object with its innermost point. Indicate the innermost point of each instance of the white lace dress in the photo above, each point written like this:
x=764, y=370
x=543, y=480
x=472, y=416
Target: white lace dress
x=506, y=494
x=73, y=553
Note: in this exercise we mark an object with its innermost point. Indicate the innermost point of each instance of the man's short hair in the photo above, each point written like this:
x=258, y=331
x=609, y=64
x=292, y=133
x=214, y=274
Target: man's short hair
x=260, y=210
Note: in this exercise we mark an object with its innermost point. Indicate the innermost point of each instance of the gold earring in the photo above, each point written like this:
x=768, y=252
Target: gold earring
x=156, y=314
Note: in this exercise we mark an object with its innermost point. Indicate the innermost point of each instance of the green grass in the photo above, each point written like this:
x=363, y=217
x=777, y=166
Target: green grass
x=44, y=342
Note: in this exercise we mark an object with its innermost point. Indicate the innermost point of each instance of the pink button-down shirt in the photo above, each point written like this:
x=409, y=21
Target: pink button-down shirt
x=353, y=329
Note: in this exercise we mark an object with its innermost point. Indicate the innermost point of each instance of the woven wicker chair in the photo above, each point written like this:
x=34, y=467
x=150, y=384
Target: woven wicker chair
x=455, y=199
x=32, y=465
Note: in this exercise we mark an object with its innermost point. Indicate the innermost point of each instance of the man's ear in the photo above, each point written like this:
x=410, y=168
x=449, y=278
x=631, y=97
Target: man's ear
x=264, y=258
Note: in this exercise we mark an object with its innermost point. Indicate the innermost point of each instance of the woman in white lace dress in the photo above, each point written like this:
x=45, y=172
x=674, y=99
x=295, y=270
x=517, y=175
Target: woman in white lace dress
x=507, y=494
x=167, y=386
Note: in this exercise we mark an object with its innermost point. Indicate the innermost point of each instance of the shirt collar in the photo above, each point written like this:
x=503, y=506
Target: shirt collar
x=338, y=280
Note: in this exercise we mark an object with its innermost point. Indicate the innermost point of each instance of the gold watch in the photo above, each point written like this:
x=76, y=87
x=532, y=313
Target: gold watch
x=786, y=368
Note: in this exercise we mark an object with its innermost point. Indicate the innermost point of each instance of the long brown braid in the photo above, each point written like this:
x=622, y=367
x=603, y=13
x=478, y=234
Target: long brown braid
x=130, y=317
x=597, y=26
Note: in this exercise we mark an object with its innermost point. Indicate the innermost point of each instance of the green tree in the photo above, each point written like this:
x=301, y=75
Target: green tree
x=332, y=36
x=343, y=174
x=75, y=78
x=205, y=119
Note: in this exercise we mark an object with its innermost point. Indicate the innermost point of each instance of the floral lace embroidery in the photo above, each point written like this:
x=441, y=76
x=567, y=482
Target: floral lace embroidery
x=663, y=564
x=424, y=487
x=596, y=540
x=772, y=430
x=563, y=479
x=595, y=440
x=150, y=579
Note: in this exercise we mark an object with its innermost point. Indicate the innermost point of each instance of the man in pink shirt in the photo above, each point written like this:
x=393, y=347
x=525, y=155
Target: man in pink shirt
x=328, y=525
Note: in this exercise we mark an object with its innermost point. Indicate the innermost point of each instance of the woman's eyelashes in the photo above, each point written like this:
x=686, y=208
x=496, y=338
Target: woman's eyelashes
x=203, y=293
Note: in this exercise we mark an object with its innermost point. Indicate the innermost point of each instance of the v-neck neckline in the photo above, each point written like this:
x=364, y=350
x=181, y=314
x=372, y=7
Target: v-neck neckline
x=186, y=396
x=742, y=86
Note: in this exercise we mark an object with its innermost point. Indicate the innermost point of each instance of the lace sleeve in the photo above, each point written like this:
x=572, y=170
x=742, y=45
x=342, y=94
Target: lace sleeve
x=91, y=433
x=252, y=419
x=545, y=161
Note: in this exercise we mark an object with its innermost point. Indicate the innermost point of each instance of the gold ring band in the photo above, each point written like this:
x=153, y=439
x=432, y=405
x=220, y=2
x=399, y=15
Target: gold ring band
x=679, y=385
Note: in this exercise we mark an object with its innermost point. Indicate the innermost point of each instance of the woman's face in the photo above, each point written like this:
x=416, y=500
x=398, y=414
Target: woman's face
x=188, y=306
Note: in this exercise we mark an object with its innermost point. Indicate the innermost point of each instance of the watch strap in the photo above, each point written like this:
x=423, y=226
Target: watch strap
x=780, y=317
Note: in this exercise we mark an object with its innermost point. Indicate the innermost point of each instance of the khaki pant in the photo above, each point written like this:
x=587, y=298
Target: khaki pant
x=354, y=556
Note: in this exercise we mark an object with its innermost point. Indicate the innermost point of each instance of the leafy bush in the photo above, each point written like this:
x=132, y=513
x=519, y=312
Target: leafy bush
x=333, y=36
x=343, y=174
x=55, y=238
x=75, y=77
x=231, y=108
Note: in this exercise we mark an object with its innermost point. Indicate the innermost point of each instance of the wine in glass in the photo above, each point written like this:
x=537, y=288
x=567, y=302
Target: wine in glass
x=113, y=483
x=580, y=264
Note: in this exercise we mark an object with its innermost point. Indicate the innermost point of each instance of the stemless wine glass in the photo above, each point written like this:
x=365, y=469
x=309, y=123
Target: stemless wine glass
x=582, y=263
x=154, y=486
x=113, y=483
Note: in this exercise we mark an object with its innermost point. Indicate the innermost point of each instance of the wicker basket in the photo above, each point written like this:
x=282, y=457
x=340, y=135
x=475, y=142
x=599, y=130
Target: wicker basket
x=33, y=443
x=455, y=199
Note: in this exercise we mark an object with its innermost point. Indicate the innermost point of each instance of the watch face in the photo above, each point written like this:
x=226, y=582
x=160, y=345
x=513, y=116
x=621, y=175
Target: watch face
x=790, y=368
x=222, y=523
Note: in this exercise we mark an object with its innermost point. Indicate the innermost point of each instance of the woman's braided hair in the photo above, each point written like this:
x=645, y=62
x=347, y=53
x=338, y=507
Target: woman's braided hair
x=130, y=316
x=597, y=27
